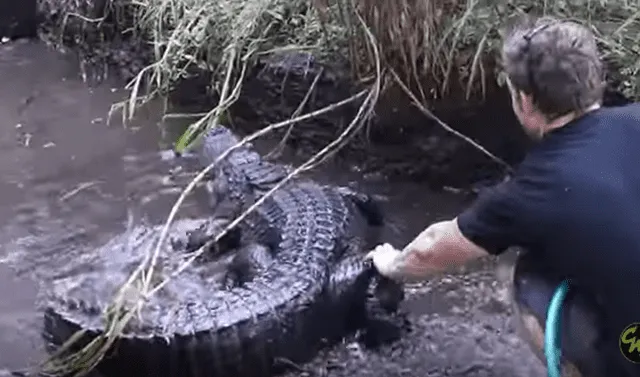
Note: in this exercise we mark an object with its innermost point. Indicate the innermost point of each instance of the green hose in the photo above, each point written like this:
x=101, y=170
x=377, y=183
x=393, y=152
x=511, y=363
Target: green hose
x=552, y=331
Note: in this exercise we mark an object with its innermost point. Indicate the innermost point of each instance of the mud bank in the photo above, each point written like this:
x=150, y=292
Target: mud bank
x=399, y=142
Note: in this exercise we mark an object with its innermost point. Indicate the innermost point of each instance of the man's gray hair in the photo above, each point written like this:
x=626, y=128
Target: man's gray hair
x=557, y=63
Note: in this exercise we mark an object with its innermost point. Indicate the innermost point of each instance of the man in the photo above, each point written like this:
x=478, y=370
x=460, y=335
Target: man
x=573, y=204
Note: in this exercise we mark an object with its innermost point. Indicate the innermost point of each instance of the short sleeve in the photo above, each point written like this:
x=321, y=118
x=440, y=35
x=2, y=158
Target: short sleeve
x=504, y=216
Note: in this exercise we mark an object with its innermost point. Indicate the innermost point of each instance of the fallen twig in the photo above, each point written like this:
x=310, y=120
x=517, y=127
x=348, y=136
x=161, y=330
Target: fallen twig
x=429, y=114
x=79, y=188
x=295, y=114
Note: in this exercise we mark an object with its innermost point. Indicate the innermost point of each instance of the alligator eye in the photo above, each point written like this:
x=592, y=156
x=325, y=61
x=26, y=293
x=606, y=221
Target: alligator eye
x=210, y=176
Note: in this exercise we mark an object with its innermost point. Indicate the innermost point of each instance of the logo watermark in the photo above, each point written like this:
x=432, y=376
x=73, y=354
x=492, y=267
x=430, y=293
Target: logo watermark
x=629, y=342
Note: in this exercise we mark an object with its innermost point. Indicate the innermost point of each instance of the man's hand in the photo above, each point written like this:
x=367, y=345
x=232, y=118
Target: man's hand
x=439, y=247
x=385, y=259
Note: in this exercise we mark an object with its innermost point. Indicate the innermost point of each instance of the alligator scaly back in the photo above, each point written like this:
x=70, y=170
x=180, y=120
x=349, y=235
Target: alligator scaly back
x=355, y=285
x=239, y=331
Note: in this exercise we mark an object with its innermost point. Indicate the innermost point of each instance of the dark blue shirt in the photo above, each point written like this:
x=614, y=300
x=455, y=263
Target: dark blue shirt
x=574, y=202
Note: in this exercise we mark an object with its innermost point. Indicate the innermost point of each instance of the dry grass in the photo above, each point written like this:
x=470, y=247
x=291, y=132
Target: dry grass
x=435, y=47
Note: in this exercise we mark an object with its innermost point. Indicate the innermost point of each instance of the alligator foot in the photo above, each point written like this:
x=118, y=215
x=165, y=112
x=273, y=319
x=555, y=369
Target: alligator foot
x=204, y=236
x=368, y=207
x=385, y=323
x=250, y=259
x=246, y=263
x=380, y=331
x=389, y=294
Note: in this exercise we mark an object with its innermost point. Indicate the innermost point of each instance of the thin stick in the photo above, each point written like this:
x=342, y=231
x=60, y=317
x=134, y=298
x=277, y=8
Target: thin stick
x=296, y=113
x=375, y=91
x=429, y=114
x=223, y=97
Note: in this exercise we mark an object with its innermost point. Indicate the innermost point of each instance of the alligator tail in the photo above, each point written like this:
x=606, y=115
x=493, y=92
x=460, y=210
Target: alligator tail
x=367, y=302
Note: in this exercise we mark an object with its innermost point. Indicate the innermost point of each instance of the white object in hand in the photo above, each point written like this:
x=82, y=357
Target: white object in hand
x=385, y=259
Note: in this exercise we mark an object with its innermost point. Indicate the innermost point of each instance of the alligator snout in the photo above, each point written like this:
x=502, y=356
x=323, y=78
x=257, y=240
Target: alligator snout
x=216, y=141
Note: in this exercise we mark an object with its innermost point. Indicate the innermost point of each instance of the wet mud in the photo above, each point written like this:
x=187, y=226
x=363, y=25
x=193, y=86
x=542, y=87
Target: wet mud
x=459, y=326
x=18, y=19
x=69, y=181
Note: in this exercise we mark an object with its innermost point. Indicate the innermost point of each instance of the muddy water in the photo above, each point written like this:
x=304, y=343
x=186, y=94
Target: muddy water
x=69, y=181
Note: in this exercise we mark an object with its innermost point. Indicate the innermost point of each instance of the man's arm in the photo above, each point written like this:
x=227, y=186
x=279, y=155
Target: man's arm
x=509, y=214
x=439, y=247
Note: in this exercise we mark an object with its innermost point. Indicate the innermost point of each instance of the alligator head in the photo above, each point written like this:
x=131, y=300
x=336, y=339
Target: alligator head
x=216, y=141
x=228, y=185
x=240, y=177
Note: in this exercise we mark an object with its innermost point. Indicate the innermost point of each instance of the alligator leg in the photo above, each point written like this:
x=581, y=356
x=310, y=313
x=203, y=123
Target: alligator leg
x=389, y=294
x=384, y=329
x=384, y=322
x=372, y=301
x=365, y=305
x=368, y=207
x=222, y=205
x=247, y=262
x=217, y=187
x=205, y=234
x=252, y=258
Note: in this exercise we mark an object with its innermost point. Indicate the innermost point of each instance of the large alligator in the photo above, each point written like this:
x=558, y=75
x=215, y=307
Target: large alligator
x=297, y=284
x=244, y=176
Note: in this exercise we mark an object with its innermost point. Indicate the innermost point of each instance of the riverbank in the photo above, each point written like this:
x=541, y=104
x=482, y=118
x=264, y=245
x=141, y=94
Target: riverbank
x=234, y=56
